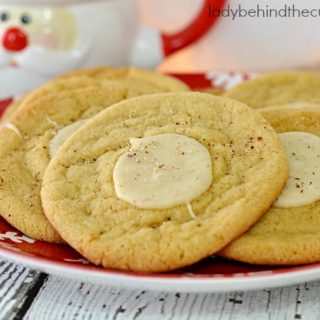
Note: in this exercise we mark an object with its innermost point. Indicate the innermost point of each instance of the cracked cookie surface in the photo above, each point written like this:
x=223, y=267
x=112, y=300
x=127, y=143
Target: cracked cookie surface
x=137, y=77
x=146, y=82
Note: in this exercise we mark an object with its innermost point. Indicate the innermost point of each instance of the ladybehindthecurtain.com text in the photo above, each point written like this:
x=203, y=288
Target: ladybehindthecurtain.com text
x=287, y=11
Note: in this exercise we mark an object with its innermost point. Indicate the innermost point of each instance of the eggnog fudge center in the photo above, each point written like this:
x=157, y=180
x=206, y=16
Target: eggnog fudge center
x=162, y=171
x=303, y=186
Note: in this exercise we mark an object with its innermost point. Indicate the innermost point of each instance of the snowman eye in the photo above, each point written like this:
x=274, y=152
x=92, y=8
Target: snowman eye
x=25, y=19
x=4, y=16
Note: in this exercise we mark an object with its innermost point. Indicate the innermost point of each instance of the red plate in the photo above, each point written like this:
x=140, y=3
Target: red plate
x=209, y=275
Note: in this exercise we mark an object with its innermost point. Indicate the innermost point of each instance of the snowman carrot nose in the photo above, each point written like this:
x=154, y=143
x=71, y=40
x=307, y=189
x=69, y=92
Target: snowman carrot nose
x=15, y=39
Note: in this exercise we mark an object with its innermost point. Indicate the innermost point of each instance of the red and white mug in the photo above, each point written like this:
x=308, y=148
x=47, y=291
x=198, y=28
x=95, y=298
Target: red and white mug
x=250, y=35
x=41, y=38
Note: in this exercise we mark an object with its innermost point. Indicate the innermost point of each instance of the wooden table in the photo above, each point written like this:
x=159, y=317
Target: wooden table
x=28, y=294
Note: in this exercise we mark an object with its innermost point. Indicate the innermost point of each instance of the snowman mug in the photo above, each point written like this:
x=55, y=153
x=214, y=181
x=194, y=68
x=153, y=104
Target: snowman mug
x=42, y=38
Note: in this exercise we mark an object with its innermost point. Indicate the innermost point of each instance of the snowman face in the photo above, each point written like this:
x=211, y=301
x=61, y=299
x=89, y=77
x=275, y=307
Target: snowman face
x=53, y=29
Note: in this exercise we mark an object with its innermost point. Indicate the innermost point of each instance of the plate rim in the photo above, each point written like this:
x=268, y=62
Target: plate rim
x=164, y=282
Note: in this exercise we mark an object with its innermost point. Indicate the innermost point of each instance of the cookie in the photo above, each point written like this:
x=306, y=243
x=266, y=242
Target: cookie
x=133, y=76
x=101, y=190
x=214, y=91
x=296, y=105
x=26, y=144
x=146, y=81
x=72, y=83
x=277, y=88
x=286, y=235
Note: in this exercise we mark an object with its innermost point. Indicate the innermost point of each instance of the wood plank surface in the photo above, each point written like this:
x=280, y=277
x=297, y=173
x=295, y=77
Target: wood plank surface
x=26, y=294
x=18, y=287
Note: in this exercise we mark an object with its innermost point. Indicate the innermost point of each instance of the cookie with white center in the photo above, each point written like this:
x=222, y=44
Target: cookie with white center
x=161, y=181
x=289, y=232
x=278, y=88
x=28, y=142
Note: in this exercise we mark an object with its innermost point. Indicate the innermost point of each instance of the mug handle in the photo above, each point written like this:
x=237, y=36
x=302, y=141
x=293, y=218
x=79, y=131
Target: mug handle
x=195, y=30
